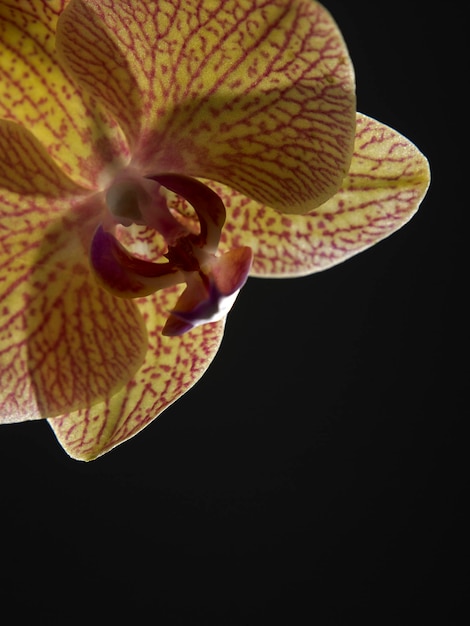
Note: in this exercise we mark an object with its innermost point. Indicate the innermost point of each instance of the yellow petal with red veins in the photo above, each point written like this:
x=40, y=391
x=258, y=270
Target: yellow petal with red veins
x=171, y=367
x=256, y=94
x=387, y=181
x=36, y=92
x=64, y=342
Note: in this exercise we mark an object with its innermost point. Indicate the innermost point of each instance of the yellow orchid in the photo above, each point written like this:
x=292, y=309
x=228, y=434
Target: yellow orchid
x=153, y=155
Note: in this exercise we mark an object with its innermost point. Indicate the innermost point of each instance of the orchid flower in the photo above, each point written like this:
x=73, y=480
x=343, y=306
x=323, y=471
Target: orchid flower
x=153, y=155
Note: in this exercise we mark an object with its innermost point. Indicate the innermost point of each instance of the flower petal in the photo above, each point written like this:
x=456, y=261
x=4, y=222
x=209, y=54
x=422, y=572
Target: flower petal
x=64, y=342
x=171, y=367
x=36, y=92
x=258, y=94
x=100, y=66
x=387, y=181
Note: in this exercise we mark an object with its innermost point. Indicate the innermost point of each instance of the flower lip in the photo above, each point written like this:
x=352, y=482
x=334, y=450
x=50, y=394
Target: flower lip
x=213, y=280
x=210, y=295
x=125, y=275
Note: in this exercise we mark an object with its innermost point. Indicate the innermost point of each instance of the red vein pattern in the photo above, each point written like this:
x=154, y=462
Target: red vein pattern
x=23, y=218
x=82, y=343
x=258, y=94
x=64, y=342
x=32, y=77
x=172, y=365
x=387, y=180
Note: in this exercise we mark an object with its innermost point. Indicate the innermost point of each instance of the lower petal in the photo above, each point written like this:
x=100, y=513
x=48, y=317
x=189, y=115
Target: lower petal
x=172, y=365
x=83, y=344
x=64, y=342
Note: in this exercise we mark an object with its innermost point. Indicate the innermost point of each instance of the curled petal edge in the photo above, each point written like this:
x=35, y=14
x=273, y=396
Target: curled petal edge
x=209, y=297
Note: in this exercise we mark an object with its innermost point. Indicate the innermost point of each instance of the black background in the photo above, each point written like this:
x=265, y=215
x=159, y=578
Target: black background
x=318, y=472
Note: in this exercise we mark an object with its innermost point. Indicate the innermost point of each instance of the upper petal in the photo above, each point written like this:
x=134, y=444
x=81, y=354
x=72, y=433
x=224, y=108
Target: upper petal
x=64, y=342
x=172, y=365
x=258, y=94
x=37, y=92
x=387, y=181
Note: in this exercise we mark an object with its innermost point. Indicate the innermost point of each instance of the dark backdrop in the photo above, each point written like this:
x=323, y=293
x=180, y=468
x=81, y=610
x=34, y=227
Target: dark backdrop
x=318, y=472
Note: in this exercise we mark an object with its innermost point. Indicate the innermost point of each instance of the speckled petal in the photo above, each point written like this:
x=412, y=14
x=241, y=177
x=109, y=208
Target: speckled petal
x=64, y=342
x=172, y=365
x=257, y=94
x=37, y=92
x=387, y=181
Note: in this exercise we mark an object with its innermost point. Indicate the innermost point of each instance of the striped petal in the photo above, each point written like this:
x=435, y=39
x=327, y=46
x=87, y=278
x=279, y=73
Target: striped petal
x=172, y=365
x=257, y=94
x=64, y=342
x=37, y=92
x=387, y=181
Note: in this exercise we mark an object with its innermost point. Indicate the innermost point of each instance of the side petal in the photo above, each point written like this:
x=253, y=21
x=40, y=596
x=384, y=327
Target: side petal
x=64, y=342
x=256, y=94
x=37, y=92
x=172, y=365
x=385, y=185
